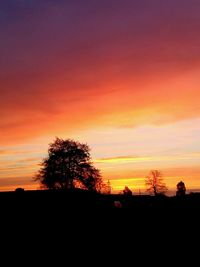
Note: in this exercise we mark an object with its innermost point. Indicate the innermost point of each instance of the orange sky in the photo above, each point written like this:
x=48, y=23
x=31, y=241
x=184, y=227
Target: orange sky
x=123, y=77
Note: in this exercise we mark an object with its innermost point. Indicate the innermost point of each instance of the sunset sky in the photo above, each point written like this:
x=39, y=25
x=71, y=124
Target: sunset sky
x=121, y=76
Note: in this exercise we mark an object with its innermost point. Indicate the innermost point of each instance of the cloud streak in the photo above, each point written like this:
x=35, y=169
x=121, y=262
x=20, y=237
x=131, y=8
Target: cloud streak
x=128, y=159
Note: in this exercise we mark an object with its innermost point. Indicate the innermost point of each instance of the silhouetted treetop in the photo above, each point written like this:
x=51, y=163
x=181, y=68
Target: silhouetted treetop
x=67, y=166
x=154, y=183
x=180, y=189
x=127, y=191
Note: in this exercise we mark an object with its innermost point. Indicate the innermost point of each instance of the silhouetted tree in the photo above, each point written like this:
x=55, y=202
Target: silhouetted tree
x=154, y=183
x=67, y=166
x=106, y=188
x=109, y=188
x=127, y=191
x=19, y=190
x=180, y=189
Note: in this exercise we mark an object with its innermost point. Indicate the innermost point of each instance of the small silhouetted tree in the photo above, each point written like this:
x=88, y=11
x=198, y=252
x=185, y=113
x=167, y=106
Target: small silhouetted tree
x=106, y=188
x=109, y=188
x=67, y=166
x=180, y=189
x=19, y=190
x=154, y=183
x=127, y=191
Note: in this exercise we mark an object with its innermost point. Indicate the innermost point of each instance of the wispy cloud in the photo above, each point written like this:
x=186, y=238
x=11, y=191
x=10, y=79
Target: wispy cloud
x=11, y=152
x=3, y=152
x=121, y=159
x=126, y=159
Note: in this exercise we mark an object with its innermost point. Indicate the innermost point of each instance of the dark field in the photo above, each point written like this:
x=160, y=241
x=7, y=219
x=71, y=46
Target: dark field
x=80, y=215
x=61, y=203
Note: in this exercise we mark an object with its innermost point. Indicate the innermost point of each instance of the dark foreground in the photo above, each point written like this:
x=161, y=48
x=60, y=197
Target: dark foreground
x=60, y=204
x=83, y=216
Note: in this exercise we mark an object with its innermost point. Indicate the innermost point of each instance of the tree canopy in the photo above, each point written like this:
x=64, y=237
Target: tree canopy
x=68, y=166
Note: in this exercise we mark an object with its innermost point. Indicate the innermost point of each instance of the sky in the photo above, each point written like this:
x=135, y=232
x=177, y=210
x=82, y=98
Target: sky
x=121, y=76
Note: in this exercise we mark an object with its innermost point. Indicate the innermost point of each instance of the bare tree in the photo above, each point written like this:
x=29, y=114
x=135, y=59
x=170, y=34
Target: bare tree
x=105, y=188
x=154, y=183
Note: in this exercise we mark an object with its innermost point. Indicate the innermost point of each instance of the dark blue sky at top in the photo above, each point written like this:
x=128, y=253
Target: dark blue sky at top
x=41, y=38
x=44, y=28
